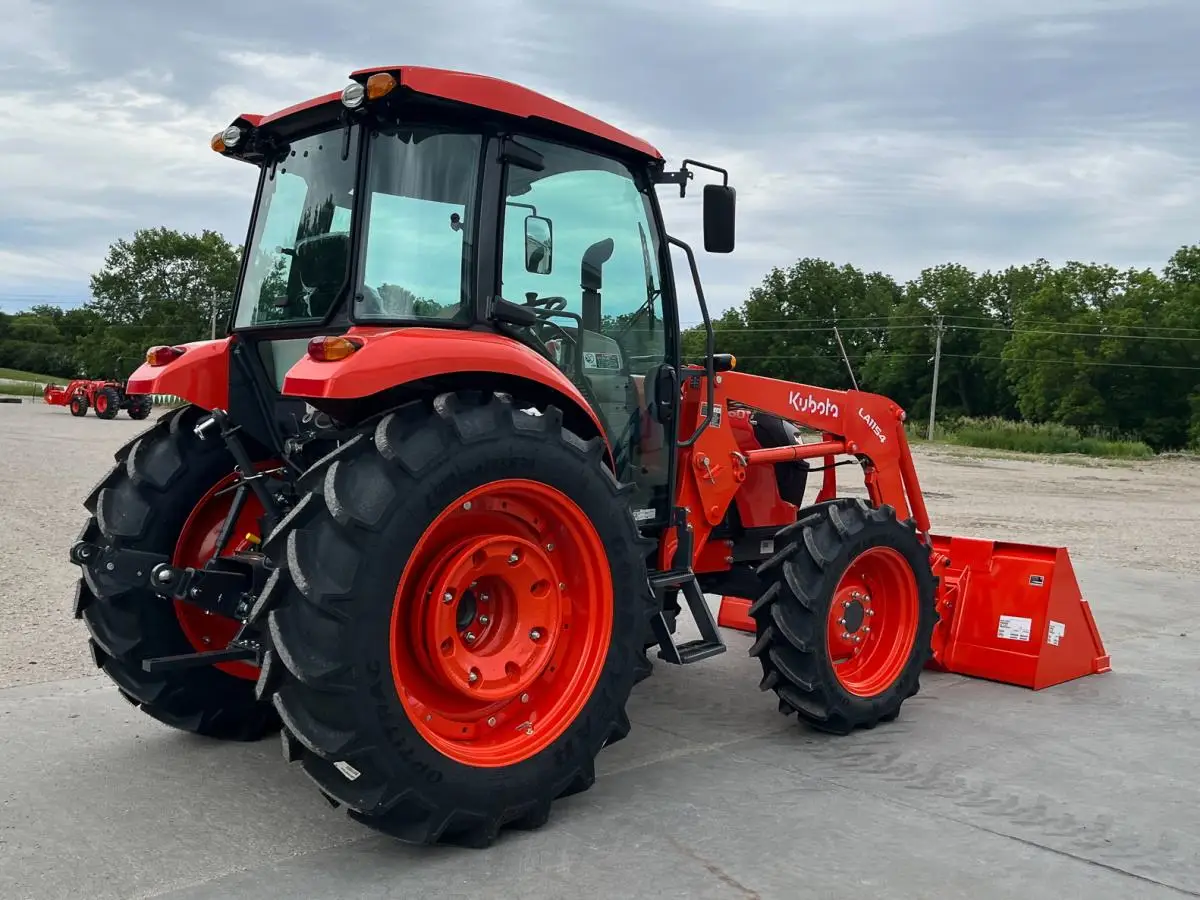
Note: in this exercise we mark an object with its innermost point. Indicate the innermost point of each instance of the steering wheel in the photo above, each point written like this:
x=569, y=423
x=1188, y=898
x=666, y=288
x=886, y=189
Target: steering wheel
x=552, y=304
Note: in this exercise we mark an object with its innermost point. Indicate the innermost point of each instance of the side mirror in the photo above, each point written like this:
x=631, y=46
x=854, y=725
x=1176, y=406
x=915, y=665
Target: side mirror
x=719, y=217
x=539, y=245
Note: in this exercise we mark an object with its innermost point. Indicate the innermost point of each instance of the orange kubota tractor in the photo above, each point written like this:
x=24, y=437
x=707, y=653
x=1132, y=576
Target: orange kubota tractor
x=445, y=481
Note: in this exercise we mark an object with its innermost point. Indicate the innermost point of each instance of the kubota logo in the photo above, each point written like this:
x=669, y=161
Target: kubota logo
x=811, y=404
x=873, y=425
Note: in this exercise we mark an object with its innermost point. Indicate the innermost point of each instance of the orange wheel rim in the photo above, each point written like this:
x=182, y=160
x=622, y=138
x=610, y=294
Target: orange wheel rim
x=101, y=403
x=872, y=621
x=501, y=623
x=194, y=547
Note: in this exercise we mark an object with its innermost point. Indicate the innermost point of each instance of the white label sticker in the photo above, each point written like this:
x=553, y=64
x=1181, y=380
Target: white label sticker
x=718, y=410
x=1037, y=580
x=1014, y=628
x=643, y=515
x=1057, y=630
x=766, y=546
x=346, y=769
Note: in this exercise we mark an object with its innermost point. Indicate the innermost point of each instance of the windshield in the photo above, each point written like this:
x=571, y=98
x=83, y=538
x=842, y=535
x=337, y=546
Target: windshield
x=298, y=255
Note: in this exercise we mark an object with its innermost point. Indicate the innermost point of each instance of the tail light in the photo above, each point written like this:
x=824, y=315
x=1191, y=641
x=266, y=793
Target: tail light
x=331, y=349
x=161, y=355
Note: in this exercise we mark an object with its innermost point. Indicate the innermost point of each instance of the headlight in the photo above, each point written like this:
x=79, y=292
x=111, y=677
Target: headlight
x=353, y=95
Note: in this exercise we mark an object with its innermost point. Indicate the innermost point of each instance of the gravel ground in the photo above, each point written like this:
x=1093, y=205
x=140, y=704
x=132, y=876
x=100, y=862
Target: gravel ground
x=1145, y=515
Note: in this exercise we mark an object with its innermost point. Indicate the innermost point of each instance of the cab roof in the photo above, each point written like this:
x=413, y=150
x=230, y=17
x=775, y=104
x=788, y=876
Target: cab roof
x=481, y=91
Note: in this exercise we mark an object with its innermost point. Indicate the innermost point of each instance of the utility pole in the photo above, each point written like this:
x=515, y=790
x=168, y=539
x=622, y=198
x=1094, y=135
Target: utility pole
x=937, y=361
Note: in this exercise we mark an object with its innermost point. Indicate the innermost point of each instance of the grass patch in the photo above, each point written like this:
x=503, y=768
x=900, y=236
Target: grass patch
x=1041, y=438
x=18, y=375
x=21, y=389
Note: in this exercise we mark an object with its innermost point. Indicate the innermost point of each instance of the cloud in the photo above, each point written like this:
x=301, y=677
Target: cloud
x=891, y=135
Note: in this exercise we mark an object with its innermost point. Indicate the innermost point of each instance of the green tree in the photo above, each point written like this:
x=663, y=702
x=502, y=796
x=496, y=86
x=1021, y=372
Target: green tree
x=159, y=287
x=167, y=281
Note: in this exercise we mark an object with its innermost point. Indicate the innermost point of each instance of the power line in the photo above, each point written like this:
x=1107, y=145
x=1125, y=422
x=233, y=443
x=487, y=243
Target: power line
x=1064, y=362
x=886, y=322
x=955, y=327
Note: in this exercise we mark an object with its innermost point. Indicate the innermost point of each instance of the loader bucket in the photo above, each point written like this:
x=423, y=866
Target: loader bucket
x=1012, y=613
x=735, y=613
x=1009, y=612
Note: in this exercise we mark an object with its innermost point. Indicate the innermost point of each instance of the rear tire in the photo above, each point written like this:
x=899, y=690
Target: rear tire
x=844, y=567
x=143, y=504
x=139, y=407
x=374, y=697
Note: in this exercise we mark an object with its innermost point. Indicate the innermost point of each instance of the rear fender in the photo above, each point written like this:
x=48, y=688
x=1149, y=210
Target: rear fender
x=200, y=376
x=392, y=357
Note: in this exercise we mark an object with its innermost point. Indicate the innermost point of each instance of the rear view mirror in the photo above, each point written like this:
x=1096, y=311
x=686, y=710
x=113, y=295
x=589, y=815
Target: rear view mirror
x=719, y=203
x=539, y=245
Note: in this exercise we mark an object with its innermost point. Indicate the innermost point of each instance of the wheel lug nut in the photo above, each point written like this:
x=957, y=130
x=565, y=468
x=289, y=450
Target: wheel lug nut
x=473, y=676
x=549, y=548
x=448, y=597
x=535, y=635
x=562, y=585
x=870, y=612
x=845, y=603
x=467, y=505
x=492, y=721
x=470, y=636
x=512, y=559
x=524, y=698
x=845, y=635
x=483, y=620
x=857, y=639
x=867, y=629
x=841, y=621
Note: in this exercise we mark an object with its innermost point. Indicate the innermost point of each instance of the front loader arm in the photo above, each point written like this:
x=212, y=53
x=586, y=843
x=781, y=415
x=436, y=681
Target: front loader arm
x=867, y=426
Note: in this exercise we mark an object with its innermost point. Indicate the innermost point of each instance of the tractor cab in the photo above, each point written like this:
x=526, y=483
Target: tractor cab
x=386, y=207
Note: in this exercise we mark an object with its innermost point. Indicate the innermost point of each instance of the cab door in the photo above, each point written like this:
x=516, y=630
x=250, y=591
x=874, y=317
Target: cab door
x=581, y=248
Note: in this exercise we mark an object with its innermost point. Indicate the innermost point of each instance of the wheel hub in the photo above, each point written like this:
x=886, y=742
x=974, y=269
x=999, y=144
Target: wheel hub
x=854, y=615
x=872, y=620
x=500, y=617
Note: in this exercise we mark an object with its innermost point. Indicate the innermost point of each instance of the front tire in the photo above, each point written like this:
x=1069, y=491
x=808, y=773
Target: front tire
x=159, y=498
x=459, y=619
x=108, y=403
x=845, y=623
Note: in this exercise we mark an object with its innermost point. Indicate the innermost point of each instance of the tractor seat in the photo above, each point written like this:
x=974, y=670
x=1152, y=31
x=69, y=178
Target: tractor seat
x=322, y=260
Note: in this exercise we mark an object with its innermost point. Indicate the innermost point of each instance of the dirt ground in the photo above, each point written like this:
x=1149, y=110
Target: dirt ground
x=1145, y=515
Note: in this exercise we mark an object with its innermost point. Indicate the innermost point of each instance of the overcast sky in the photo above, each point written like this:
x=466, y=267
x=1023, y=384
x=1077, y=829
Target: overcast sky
x=892, y=134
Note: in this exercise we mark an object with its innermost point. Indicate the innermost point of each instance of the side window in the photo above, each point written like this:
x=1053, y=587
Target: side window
x=581, y=249
x=586, y=220
x=420, y=207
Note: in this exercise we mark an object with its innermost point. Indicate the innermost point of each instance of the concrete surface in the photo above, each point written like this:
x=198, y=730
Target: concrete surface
x=1087, y=790
x=980, y=790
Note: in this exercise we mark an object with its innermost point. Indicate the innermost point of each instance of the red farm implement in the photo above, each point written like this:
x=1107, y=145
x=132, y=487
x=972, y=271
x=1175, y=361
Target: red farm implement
x=446, y=480
x=107, y=398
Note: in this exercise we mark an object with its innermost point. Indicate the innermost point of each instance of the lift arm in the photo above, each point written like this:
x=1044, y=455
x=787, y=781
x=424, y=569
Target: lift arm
x=867, y=426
